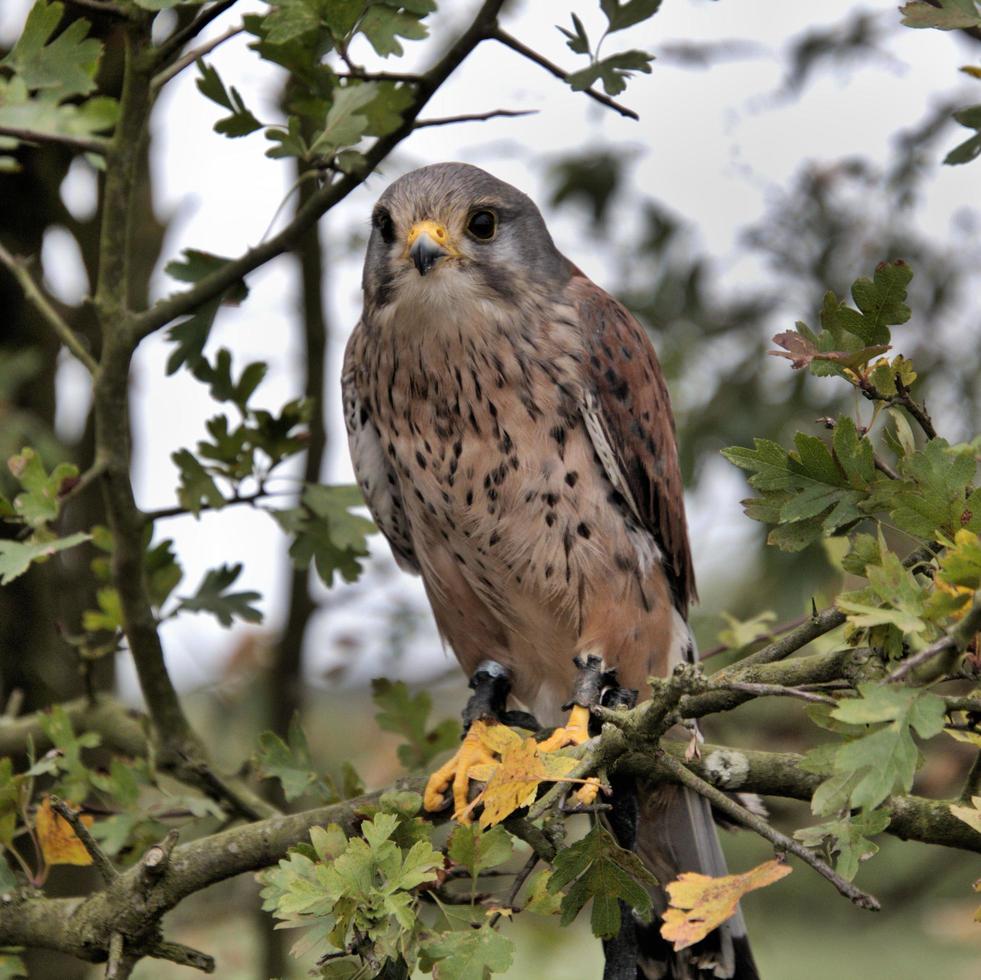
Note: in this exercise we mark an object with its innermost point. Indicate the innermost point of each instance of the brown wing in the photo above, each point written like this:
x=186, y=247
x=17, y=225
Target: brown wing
x=628, y=416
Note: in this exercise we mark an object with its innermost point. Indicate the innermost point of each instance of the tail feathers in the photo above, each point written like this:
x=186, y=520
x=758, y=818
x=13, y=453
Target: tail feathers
x=675, y=833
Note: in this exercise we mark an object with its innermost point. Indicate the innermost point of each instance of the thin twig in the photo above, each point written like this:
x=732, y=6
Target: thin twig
x=85, y=144
x=958, y=639
x=918, y=411
x=173, y=44
x=741, y=815
x=380, y=76
x=519, y=879
x=473, y=117
x=769, y=634
x=178, y=511
x=105, y=867
x=161, y=79
x=161, y=313
x=120, y=966
x=84, y=481
x=883, y=467
x=40, y=302
x=775, y=690
x=514, y=44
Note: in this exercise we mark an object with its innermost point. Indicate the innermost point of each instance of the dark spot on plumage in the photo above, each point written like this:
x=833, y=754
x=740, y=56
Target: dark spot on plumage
x=567, y=542
x=473, y=422
x=492, y=494
x=487, y=481
x=492, y=408
x=419, y=496
x=363, y=415
x=459, y=557
x=513, y=462
x=493, y=539
x=646, y=416
x=478, y=391
x=583, y=531
x=458, y=376
x=391, y=479
x=391, y=450
x=635, y=429
x=551, y=499
x=626, y=351
x=457, y=448
x=550, y=518
x=621, y=390
x=606, y=350
x=506, y=443
x=530, y=496
x=469, y=498
x=420, y=459
x=571, y=477
x=445, y=496
x=616, y=498
x=595, y=362
x=623, y=562
x=429, y=449
x=549, y=570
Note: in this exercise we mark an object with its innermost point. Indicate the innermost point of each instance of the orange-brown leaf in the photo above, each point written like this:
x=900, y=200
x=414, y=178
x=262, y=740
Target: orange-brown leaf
x=700, y=903
x=59, y=845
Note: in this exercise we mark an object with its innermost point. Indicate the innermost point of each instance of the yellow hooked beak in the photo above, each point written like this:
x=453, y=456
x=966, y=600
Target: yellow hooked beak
x=428, y=242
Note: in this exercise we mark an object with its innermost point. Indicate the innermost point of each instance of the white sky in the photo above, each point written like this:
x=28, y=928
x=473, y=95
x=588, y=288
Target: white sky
x=710, y=143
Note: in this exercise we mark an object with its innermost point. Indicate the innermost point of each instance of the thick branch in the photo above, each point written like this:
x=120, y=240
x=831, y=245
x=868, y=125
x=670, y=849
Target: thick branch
x=48, y=313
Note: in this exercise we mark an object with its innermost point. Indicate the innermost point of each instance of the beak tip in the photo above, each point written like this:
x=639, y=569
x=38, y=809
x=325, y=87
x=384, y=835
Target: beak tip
x=425, y=253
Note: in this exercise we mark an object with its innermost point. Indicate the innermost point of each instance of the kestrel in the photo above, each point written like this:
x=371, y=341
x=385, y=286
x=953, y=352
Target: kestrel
x=512, y=433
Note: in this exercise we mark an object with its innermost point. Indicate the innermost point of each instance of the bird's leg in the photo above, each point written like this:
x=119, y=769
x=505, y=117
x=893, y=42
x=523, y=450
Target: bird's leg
x=594, y=684
x=491, y=684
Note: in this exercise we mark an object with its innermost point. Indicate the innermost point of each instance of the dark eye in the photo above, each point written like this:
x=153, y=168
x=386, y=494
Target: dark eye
x=482, y=225
x=382, y=220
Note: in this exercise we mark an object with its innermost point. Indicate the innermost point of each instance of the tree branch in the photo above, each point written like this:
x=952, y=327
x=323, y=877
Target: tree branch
x=90, y=144
x=105, y=867
x=514, y=44
x=474, y=117
x=171, y=71
x=176, y=41
x=956, y=641
x=727, y=805
x=48, y=313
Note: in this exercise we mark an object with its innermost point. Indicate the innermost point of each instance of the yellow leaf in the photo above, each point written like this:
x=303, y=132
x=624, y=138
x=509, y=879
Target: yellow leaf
x=973, y=70
x=59, y=845
x=514, y=782
x=497, y=738
x=971, y=815
x=699, y=903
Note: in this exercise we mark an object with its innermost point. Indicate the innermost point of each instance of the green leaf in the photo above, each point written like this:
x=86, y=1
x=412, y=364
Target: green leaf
x=945, y=15
x=241, y=122
x=612, y=71
x=74, y=776
x=39, y=503
x=12, y=967
x=345, y=123
x=407, y=715
x=16, y=556
x=382, y=25
x=576, y=39
x=326, y=533
x=197, y=487
x=212, y=597
x=598, y=868
x=223, y=387
x=849, y=837
x=469, y=954
x=621, y=15
x=864, y=552
x=290, y=20
x=66, y=65
x=478, y=850
x=882, y=300
x=965, y=152
x=290, y=763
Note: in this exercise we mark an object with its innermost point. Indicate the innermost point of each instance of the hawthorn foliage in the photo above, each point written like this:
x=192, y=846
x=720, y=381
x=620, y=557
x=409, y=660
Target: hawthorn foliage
x=378, y=887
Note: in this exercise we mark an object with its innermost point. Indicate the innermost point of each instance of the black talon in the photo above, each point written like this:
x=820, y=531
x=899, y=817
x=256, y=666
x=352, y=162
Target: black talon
x=491, y=684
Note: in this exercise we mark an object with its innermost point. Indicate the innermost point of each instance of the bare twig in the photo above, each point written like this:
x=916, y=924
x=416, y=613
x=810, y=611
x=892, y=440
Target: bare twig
x=161, y=79
x=769, y=634
x=173, y=44
x=162, y=312
x=178, y=511
x=120, y=966
x=519, y=879
x=958, y=639
x=105, y=867
x=182, y=955
x=918, y=411
x=883, y=467
x=85, y=144
x=775, y=690
x=85, y=480
x=473, y=117
x=380, y=76
x=514, y=44
x=740, y=814
x=50, y=315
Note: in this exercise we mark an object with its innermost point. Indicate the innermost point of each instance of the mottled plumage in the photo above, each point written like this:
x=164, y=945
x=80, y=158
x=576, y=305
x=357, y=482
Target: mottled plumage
x=512, y=433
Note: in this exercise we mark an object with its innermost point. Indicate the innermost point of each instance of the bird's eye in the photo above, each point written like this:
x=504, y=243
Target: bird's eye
x=382, y=220
x=482, y=225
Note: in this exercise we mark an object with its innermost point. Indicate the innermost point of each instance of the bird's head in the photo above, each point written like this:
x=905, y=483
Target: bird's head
x=449, y=232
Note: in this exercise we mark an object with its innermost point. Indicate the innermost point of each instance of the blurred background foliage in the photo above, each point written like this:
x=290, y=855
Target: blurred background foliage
x=832, y=223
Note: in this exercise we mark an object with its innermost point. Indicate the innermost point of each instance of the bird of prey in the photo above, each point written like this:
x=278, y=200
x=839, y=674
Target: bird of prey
x=511, y=430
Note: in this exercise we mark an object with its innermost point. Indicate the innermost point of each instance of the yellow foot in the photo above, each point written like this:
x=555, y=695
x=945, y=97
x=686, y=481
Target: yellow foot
x=456, y=773
x=574, y=732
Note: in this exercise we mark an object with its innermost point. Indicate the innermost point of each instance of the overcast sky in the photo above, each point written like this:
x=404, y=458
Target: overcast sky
x=711, y=143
